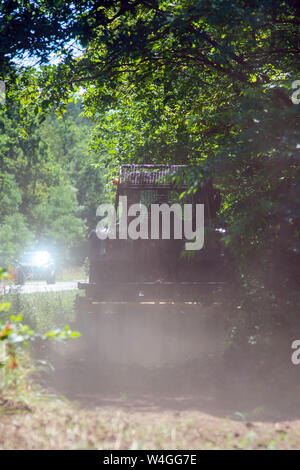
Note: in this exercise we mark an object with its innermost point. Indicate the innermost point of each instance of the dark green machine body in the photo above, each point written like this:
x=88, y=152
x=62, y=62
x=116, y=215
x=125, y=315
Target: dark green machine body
x=139, y=290
x=159, y=269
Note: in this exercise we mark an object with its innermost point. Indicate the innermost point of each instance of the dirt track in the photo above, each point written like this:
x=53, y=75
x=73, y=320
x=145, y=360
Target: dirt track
x=215, y=401
x=201, y=405
x=223, y=386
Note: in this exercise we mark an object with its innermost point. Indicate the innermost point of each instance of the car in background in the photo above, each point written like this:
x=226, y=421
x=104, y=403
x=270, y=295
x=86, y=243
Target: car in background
x=35, y=265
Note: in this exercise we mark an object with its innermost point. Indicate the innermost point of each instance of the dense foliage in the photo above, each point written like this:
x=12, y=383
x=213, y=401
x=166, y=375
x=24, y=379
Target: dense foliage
x=49, y=187
x=206, y=83
x=202, y=82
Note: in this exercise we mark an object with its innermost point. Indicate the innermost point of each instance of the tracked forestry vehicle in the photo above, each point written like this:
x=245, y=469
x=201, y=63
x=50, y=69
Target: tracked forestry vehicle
x=147, y=299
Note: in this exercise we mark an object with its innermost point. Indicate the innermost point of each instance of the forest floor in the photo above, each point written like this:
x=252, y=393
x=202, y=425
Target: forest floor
x=130, y=408
x=56, y=424
x=219, y=400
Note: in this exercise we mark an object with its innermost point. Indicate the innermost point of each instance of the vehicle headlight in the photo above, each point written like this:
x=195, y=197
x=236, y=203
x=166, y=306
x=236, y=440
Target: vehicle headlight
x=41, y=258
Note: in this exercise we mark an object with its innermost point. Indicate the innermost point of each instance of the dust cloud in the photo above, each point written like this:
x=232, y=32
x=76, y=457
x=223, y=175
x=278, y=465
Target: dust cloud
x=170, y=357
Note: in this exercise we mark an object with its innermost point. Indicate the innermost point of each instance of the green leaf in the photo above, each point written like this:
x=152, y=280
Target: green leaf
x=75, y=334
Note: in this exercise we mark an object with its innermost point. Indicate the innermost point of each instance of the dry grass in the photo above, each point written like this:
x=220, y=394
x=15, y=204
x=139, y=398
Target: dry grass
x=44, y=422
